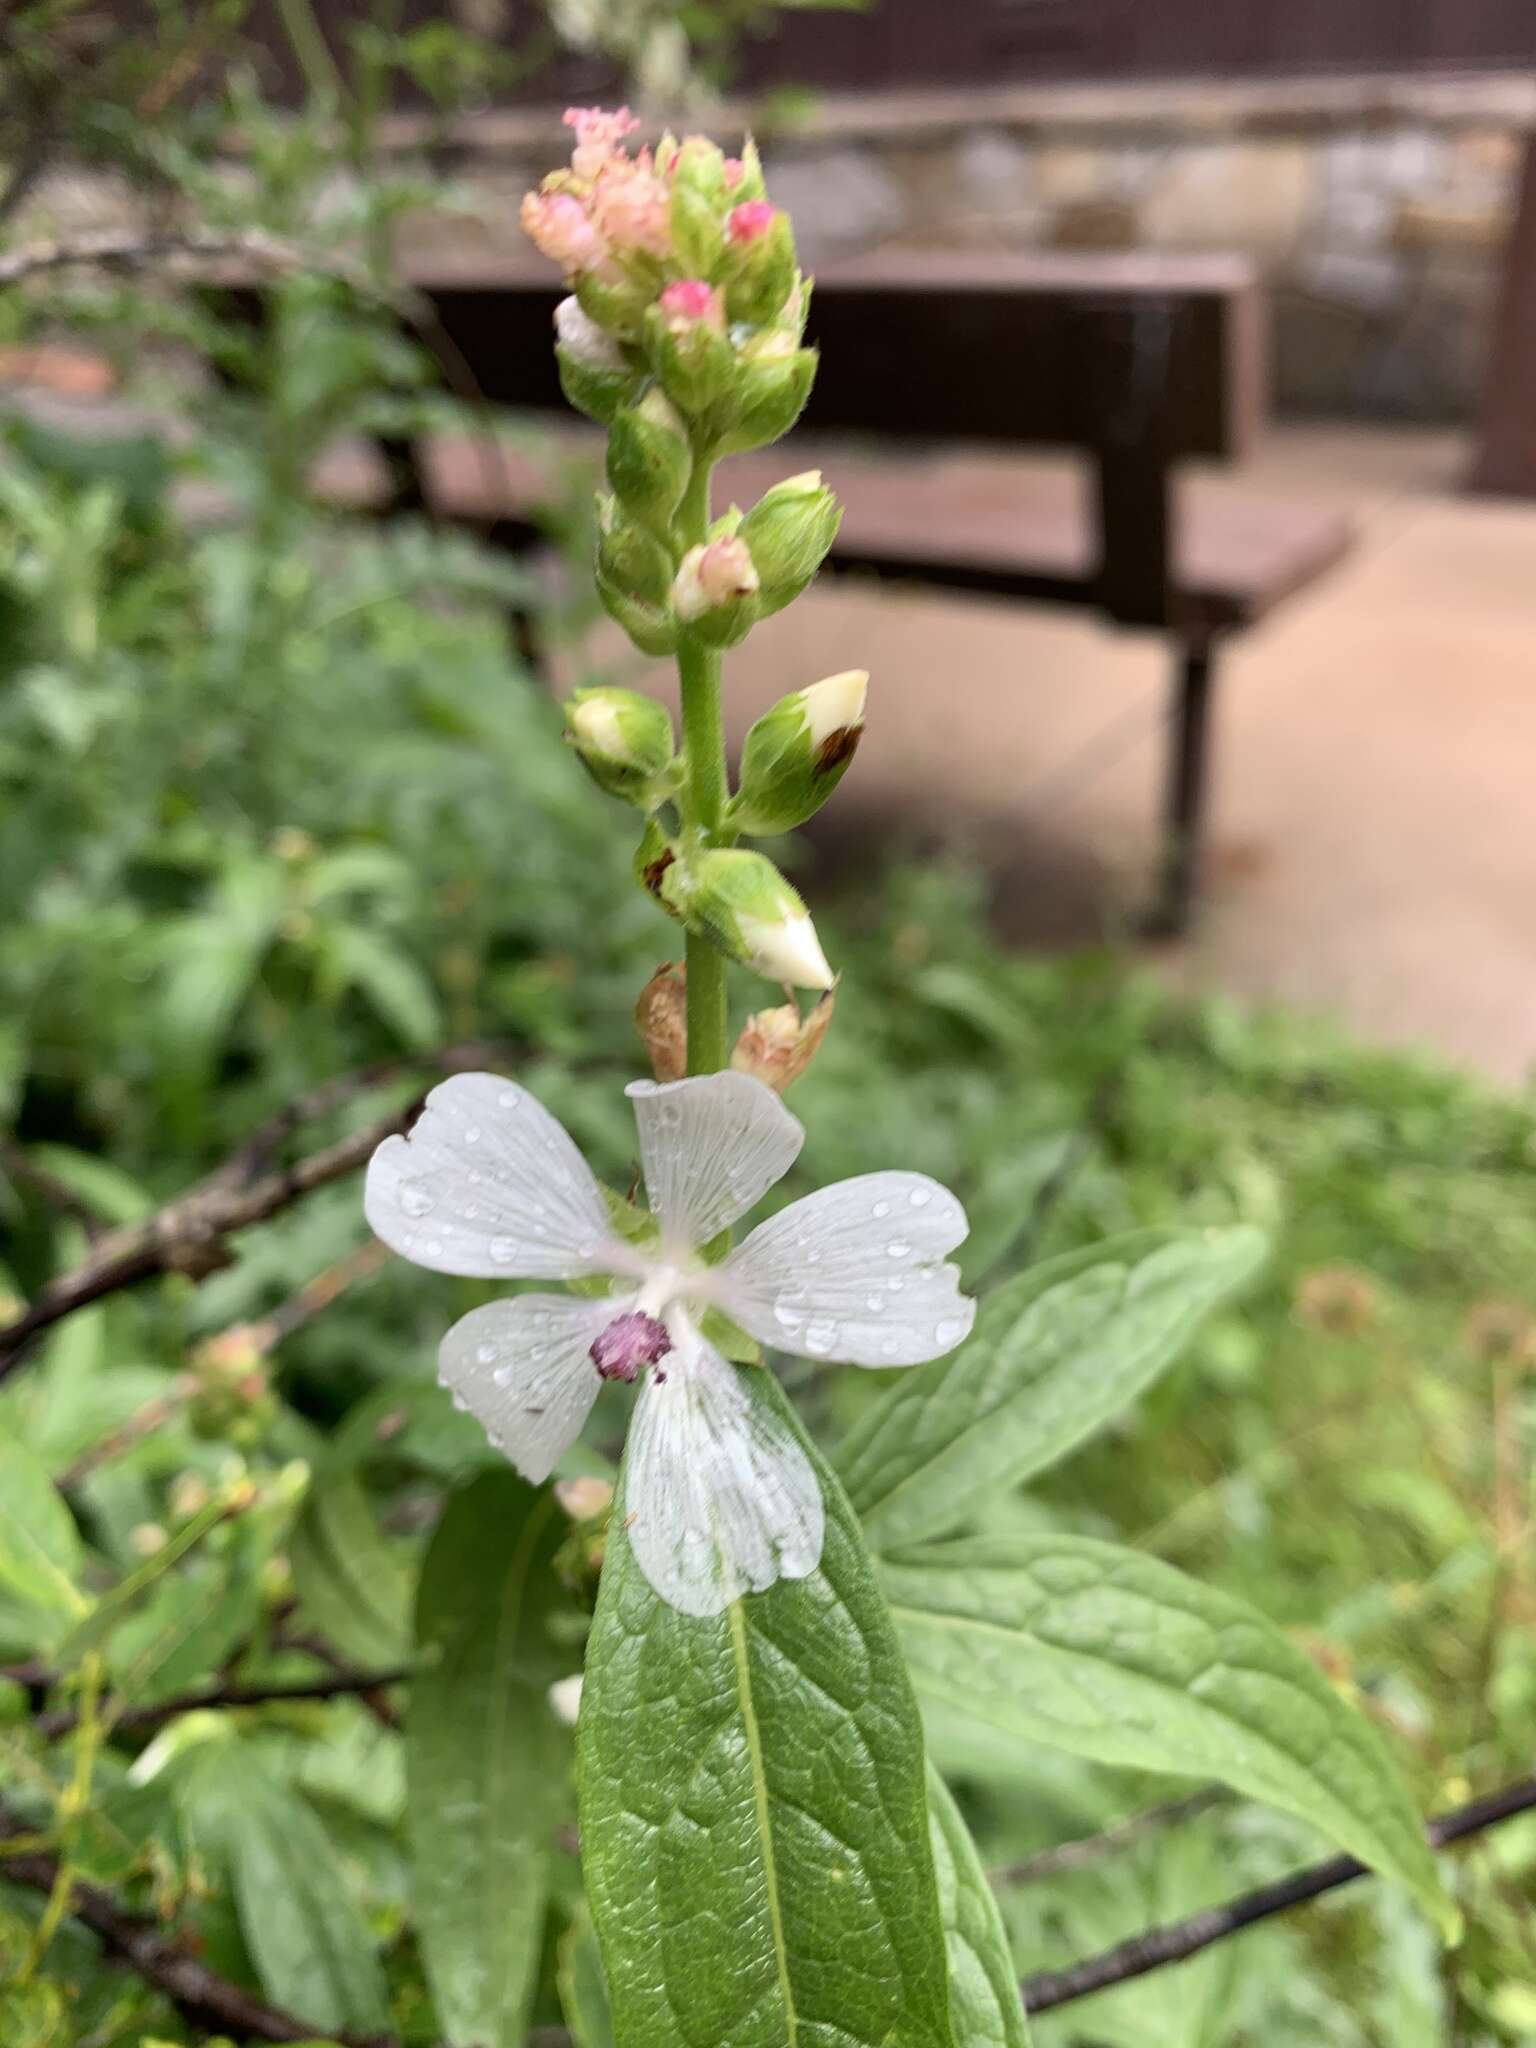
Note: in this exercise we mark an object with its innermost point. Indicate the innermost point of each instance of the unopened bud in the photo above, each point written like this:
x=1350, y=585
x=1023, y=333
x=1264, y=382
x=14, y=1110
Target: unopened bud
x=714, y=589
x=565, y=1699
x=760, y=267
x=594, y=374
x=745, y=906
x=688, y=346
x=584, y=1498
x=795, y=755
x=772, y=381
x=789, y=531
x=630, y=558
x=654, y=860
x=649, y=458
x=778, y=1045
x=631, y=211
x=559, y=226
x=661, y=1018
x=625, y=741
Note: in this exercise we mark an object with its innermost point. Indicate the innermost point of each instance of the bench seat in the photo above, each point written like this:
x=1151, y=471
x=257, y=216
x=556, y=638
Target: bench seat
x=1008, y=527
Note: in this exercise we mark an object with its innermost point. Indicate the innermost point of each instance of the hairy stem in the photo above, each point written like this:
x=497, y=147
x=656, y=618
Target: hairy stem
x=698, y=671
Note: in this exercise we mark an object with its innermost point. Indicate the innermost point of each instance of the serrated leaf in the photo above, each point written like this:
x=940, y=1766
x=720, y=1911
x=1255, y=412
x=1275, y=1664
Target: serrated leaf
x=39, y=1554
x=1054, y=1355
x=305, y=1933
x=488, y=1766
x=754, y=1814
x=350, y=1583
x=985, y=2009
x=1112, y=1655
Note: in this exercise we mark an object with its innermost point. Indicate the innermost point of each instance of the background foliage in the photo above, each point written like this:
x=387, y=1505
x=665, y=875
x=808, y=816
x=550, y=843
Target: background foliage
x=276, y=802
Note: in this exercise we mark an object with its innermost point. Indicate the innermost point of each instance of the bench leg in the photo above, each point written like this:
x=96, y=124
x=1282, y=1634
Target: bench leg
x=1184, y=802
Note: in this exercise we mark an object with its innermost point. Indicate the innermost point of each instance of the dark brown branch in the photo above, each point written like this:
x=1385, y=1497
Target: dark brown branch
x=188, y=1235
x=1090, y=1849
x=144, y=1720
x=16, y=1161
x=1160, y=1946
x=202, y=1997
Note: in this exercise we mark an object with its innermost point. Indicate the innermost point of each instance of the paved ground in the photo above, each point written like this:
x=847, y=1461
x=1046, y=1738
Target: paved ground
x=1374, y=851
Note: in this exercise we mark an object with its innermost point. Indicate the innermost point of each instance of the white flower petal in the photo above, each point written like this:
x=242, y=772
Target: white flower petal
x=854, y=1273
x=522, y=1368
x=720, y=1499
x=489, y=1184
x=711, y=1148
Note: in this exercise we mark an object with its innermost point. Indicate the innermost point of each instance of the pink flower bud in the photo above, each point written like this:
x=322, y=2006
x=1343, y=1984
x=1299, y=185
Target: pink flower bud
x=735, y=171
x=630, y=208
x=599, y=137
x=691, y=301
x=559, y=228
x=749, y=223
x=719, y=573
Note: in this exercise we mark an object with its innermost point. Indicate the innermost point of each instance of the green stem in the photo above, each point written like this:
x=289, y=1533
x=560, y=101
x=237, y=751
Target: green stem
x=704, y=795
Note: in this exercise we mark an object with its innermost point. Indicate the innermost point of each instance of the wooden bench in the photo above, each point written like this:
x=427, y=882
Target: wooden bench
x=1137, y=363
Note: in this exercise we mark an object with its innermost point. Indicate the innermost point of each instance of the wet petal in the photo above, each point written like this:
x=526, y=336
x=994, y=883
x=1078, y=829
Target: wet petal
x=489, y=1184
x=720, y=1498
x=854, y=1273
x=523, y=1368
x=711, y=1149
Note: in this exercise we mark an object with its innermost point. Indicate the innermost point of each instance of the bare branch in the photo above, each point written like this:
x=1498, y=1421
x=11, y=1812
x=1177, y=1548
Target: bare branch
x=338, y=1683
x=1090, y=1849
x=188, y=1235
x=1160, y=1946
x=234, y=252
x=202, y=1997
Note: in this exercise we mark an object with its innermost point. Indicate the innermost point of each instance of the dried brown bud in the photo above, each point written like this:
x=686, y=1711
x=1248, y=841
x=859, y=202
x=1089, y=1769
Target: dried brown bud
x=778, y=1045
x=661, y=1018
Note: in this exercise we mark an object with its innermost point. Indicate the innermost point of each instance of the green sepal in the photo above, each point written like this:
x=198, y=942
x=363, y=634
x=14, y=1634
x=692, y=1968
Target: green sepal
x=698, y=236
x=696, y=367
x=789, y=531
x=760, y=275
x=649, y=458
x=600, y=394
x=632, y=559
x=771, y=390
x=652, y=631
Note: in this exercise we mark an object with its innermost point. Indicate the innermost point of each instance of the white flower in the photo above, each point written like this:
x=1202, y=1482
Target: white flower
x=720, y=1498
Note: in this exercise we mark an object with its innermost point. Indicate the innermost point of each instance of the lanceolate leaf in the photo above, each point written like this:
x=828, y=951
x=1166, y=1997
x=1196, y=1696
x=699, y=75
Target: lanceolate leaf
x=306, y=1936
x=985, y=2008
x=583, y=1992
x=754, y=1817
x=351, y=1585
x=488, y=1766
x=1054, y=1355
x=1099, y=1650
x=39, y=1554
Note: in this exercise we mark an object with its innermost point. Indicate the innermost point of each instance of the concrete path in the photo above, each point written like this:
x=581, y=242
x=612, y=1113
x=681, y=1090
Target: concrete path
x=1374, y=849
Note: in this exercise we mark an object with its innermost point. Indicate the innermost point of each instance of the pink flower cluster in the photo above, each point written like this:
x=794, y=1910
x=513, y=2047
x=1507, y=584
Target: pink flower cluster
x=610, y=206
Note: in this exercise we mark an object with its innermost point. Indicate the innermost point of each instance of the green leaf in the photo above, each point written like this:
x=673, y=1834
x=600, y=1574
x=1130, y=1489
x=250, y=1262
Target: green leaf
x=1054, y=1355
x=488, y=1765
x=985, y=2008
x=305, y=1932
x=1119, y=1657
x=754, y=1815
x=39, y=1554
x=114, y=1607
x=582, y=1986
x=350, y=1584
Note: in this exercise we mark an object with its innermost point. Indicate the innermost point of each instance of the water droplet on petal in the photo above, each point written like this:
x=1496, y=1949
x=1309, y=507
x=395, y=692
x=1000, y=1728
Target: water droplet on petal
x=415, y=1199
x=471, y=1134
x=786, y=1317
x=888, y=1348
x=920, y=1197
x=485, y=1354
x=503, y=1250
x=897, y=1249
x=819, y=1338
x=813, y=1258
x=876, y=1302
x=509, y=1098
x=881, y=1210
x=459, y=1402
x=502, y=1375
x=949, y=1330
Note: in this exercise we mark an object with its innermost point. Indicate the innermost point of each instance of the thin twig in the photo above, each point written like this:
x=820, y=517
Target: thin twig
x=375, y=1697
x=1087, y=1850
x=1158, y=1946
x=188, y=1235
x=133, y=248
x=18, y=1162
x=144, y=1720
x=202, y=1997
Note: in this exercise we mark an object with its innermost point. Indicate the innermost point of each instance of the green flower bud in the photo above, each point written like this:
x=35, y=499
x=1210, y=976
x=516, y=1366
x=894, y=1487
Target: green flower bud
x=689, y=349
x=655, y=858
x=794, y=756
x=595, y=374
x=760, y=266
x=649, y=458
x=651, y=630
x=745, y=907
x=789, y=531
x=750, y=183
x=626, y=743
x=698, y=231
x=617, y=306
x=631, y=559
x=715, y=591
x=773, y=381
